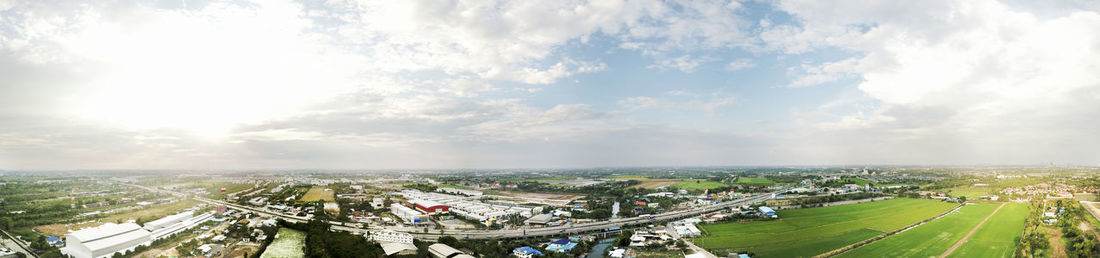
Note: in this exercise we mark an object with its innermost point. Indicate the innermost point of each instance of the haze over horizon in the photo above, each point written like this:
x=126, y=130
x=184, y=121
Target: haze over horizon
x=516, y=84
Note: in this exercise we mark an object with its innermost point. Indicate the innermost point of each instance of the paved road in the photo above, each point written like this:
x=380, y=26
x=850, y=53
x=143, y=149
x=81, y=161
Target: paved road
x=510, y=233
x=15, y=245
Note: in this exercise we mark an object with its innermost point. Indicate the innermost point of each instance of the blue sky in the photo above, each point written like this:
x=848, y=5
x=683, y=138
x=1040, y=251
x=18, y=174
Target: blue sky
x=519, y=84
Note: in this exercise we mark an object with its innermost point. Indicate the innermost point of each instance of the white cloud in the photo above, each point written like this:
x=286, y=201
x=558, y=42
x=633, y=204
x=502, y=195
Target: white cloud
x=740, y=64
x=813, y=75
x=709, y=104
x=685, y=63
x=996, y=80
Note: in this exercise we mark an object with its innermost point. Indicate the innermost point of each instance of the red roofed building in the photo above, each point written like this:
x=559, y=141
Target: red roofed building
x=430, y=207
x=639, y=203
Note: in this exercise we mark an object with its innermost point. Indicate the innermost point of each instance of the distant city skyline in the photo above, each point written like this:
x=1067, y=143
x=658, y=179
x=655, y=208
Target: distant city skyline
x=560, y=84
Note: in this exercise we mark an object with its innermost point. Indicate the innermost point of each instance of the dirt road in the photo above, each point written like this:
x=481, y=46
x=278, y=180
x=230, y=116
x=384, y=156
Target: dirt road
x=972, y=231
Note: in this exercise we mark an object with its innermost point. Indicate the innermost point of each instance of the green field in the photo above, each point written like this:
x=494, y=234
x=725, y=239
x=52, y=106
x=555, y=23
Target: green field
x=698, y=184
x=930, y=239
x=287, y=243
x=998, y=236
x=755, y=181
x=971, y=192
x=808, y=232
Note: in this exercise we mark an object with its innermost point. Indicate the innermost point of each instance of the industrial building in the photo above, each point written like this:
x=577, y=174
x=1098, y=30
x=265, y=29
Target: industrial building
x=173, y=224
x=540, y=219
x=767, y=211
x=445, y=251
x=460, y=191
x=394, y=249
x=471, y=209
x=407, y=214
x=430, y=207
x=105, y=240
x=390, y=236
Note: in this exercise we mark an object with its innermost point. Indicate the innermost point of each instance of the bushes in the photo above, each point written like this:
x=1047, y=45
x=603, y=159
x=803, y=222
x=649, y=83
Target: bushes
x=321, y=242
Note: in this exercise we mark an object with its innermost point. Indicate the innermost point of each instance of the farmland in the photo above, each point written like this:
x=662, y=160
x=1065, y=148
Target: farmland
x=755, y=181
x=808, y=232
x=288, y=243
x=930, y=239
x=998, y=236
x=698, y=184
x=318, y=193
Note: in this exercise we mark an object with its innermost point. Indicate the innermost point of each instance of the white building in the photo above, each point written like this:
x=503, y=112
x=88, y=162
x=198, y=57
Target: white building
x=474, y=210
x=105, y=240
x=407, y=214
x=390, y=236
x=168, y=221
x=173, y=224
x=378, y=203
x=460, y=191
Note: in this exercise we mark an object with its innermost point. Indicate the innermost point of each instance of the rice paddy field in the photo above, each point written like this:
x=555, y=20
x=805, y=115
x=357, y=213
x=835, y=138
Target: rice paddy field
x=812, y=231
x=698, y=184
x=929, y=240
x=972, y=192
x=288, y=243
x=755, y=181
x=998, y=236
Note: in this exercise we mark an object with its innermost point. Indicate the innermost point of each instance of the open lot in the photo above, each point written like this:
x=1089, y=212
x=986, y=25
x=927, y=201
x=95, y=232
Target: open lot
x=808, y=232
x=998, y=236
x=318, y=193
x=930, y=239
x=288, y=243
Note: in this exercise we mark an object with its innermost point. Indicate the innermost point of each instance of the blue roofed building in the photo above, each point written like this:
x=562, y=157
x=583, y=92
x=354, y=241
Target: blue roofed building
x=767, y=211
x=526, y=252
x=560, y=245
x=54, y=241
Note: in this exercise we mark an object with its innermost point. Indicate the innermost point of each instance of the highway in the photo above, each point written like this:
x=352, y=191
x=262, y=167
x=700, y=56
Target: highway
x=568, y=229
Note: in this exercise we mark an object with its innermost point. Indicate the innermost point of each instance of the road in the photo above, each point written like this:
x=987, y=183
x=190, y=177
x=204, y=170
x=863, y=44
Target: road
x=510, y=233
x=16, y=245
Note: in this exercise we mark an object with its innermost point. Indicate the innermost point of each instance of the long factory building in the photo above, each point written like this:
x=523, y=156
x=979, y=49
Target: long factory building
x=110, y=238
x=470, y=209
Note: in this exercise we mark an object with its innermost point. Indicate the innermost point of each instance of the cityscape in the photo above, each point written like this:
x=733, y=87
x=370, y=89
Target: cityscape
x=539, y=129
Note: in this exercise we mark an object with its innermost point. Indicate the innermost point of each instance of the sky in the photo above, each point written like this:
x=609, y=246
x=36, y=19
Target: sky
x=344, y=84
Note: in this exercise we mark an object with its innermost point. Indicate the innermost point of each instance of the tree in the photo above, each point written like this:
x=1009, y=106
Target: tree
x=449, y=240
x=681, y=244
x=5, y=223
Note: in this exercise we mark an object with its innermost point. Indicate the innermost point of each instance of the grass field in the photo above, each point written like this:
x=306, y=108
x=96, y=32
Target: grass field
x=808, y=232
x=930, y=239
x=318, y=193
x=288, y=243
x=971, y=192
x=998, y=236
x=698, y=184
x=755, y=181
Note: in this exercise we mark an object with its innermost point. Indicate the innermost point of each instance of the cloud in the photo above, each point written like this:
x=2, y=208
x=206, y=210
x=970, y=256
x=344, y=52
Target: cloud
x=813, y=75
x=709, y=104
x=997, y=82
x=685, y=63
x=740, y=64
